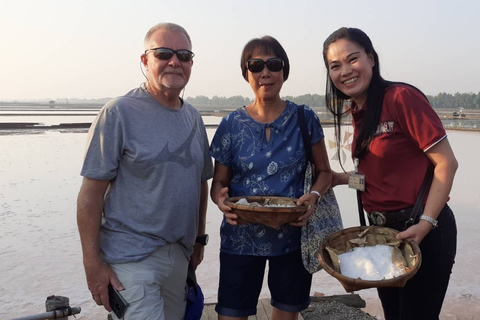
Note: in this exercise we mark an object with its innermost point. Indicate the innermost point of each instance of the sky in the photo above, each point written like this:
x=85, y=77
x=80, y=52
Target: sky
x=91, y=49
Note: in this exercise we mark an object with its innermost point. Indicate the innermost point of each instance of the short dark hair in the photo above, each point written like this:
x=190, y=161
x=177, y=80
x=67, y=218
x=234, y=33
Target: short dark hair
x=264, y=45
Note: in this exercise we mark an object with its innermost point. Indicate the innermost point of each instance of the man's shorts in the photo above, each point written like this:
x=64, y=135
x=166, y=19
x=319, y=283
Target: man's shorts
x=241, y=279
x=155, y=287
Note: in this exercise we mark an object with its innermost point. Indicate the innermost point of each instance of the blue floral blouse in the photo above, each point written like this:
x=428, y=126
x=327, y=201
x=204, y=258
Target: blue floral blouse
x=260, y=167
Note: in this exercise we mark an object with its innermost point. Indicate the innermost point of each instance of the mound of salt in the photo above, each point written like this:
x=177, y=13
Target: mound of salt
x=370, y=263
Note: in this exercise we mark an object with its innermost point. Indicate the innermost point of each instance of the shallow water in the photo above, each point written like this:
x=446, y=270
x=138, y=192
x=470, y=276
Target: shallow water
x=40, y=253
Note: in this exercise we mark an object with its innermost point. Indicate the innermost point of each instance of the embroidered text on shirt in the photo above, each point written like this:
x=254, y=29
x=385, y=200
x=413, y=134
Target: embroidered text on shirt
x=386, y=127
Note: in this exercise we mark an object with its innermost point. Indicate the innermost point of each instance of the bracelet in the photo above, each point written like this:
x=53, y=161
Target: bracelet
x=318, y=194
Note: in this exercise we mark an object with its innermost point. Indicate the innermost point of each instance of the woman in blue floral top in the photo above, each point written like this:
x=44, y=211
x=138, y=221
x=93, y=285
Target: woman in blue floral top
x=258, y=151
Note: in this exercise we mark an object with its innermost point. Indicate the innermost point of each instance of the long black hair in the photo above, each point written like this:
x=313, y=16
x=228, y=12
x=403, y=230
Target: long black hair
x=336, y=100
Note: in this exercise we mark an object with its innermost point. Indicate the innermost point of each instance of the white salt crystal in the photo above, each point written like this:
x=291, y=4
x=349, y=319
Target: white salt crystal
x=370, y=263
x=243, y=201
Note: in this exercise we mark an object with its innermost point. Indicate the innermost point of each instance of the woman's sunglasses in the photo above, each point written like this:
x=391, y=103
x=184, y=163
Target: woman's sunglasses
x=167, y=53
x=257, y=65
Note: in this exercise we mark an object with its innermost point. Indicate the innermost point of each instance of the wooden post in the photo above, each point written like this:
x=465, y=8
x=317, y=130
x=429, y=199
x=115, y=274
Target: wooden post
x=57, y=302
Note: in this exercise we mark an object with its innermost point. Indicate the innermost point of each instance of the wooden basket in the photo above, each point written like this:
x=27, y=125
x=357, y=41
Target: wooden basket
x=273, y=217
x=338, y=240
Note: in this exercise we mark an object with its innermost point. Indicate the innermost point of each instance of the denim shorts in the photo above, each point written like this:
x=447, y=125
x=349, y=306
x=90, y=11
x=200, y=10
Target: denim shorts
x=241, y=279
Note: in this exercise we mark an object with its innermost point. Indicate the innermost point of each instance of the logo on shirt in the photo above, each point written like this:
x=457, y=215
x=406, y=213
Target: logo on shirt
x=386, y=127
x=182, y=155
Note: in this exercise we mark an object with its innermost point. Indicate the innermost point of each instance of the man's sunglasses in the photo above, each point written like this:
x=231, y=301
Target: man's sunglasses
x=167, y=53
x=257, y=65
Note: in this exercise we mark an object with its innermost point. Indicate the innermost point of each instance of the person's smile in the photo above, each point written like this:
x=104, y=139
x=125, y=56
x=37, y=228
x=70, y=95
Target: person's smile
x=349, y=81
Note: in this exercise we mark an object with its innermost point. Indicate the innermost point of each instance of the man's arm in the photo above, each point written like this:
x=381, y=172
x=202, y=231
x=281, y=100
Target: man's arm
x=199, y=249
x=202, y=216
x=89, y=218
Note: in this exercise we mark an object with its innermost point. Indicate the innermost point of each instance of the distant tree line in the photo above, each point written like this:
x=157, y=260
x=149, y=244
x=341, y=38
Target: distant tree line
x=458, y=100
x=313, y=100
x=216, y=101
x=440, y=101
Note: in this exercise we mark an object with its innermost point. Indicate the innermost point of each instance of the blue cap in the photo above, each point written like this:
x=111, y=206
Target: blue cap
x=194, y=298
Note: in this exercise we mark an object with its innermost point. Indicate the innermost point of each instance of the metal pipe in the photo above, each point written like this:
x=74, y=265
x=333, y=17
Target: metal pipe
x=55, y=314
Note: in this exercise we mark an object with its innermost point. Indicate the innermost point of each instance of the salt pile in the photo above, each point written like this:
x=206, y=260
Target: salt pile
x=370, y=263
x=243, y=201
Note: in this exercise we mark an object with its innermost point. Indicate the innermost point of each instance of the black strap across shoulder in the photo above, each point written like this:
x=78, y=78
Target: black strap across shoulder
x=418, y=204
x=302, y=123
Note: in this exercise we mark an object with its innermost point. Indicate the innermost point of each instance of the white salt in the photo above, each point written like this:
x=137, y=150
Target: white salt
x=243, y=201
x=370, y=263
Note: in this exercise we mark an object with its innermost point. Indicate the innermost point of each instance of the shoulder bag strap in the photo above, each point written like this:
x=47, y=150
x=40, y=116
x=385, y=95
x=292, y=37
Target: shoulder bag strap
x=361, y=213
x=302, y=123
x=418, y=204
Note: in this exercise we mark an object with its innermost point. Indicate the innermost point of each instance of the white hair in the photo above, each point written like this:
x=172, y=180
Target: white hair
x=166, y=26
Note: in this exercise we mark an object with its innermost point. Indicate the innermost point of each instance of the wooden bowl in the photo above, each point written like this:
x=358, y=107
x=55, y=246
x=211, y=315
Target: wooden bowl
x=273, y=217
x=338, y=240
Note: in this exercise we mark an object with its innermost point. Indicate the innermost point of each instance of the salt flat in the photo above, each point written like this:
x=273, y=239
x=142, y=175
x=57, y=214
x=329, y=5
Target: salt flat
x=40, y=251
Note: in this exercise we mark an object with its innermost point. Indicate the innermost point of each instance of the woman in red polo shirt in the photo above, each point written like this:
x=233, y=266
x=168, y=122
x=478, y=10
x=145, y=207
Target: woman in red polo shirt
x=398, y=137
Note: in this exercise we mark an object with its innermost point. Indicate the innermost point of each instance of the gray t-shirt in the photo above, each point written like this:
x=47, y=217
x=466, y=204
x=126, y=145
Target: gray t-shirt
x=155, y=158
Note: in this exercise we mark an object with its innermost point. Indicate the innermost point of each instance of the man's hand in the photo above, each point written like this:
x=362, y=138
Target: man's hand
x=99, y=276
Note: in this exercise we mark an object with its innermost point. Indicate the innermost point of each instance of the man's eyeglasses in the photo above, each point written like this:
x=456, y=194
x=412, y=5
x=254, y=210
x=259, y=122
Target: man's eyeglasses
x=257, y=65
x=167, y=53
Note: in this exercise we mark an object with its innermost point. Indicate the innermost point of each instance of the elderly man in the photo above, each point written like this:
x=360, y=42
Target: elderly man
x=142, y=204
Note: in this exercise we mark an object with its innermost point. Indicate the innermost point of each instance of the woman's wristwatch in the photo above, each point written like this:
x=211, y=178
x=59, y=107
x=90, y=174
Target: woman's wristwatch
x=429, y=219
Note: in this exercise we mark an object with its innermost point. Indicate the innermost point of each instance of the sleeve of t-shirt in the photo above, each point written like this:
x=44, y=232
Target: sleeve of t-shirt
x=220, y=148
x=207, y=172
x=313, y=124
x=104, y=145
x=418, y=119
